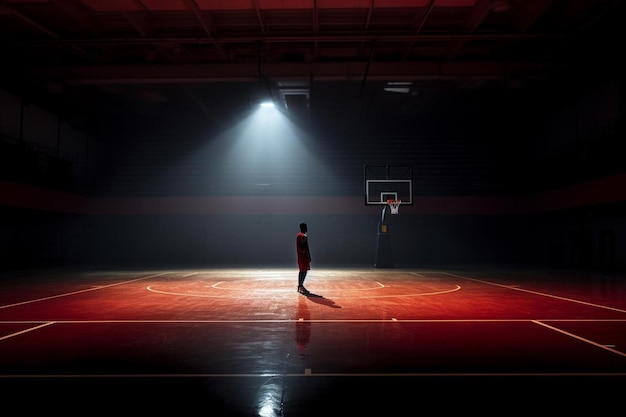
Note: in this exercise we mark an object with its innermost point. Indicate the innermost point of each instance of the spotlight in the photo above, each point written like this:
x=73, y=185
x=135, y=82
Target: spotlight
x=267, y=105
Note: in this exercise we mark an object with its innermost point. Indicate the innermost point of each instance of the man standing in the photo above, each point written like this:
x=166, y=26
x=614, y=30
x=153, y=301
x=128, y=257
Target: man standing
x=304, y=257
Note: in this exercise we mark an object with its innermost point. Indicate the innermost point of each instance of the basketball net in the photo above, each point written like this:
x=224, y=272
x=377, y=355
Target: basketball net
x=394, y=205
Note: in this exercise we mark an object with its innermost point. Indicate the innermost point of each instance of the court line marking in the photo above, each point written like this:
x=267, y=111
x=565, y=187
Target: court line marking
x=511, y=287
x=218, y=286
x=8, y=336
x=391, y=320
x=80, y=291
x=321, y=374
x=274, y=291
x=605, y=347
x=301, y=320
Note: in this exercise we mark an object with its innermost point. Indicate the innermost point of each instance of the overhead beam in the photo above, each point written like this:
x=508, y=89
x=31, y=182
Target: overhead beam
x=119, y=74
x=4, y=9
x=417, y=37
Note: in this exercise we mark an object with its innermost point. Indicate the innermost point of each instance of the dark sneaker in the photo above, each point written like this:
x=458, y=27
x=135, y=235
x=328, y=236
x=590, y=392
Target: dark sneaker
x=303, y=290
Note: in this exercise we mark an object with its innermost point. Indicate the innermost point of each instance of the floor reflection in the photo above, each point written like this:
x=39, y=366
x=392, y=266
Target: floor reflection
x=303, y=325
x=270, y=398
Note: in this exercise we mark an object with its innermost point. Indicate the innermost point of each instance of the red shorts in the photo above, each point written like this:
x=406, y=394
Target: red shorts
x=304, y=264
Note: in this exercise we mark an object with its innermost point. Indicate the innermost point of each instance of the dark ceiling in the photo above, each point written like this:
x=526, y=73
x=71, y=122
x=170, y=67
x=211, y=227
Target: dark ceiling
x=114, y=63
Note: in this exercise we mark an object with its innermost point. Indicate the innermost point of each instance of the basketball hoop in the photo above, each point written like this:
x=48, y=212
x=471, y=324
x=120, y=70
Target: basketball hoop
x=394, y=205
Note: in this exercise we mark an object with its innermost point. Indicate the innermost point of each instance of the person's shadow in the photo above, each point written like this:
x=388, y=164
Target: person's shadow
x=319, y=299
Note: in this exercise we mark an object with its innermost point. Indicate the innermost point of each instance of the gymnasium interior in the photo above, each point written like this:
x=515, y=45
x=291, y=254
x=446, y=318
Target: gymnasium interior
x=150, y=204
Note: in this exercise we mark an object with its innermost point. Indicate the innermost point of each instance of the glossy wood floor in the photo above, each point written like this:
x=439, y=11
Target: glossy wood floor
x=243, y=342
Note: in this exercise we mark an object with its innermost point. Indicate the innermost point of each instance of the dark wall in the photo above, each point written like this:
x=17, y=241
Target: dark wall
x=230, y=240
x=34, y=238
x=521, y=155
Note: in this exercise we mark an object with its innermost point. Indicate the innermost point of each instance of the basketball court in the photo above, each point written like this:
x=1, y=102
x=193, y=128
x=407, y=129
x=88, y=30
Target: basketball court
x=377, y=340
x=244, y=342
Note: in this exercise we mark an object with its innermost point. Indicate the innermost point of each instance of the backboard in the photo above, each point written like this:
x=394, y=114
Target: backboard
x=388, y=182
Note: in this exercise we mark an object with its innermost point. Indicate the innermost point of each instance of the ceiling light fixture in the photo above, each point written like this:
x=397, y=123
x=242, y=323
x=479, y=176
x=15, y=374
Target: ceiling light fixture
x=399, y=87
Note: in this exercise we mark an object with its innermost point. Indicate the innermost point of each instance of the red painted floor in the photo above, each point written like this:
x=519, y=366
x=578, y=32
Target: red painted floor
x=376, y=341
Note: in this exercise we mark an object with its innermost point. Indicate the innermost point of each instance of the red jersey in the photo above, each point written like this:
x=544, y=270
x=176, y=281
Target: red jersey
x=302, y=249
